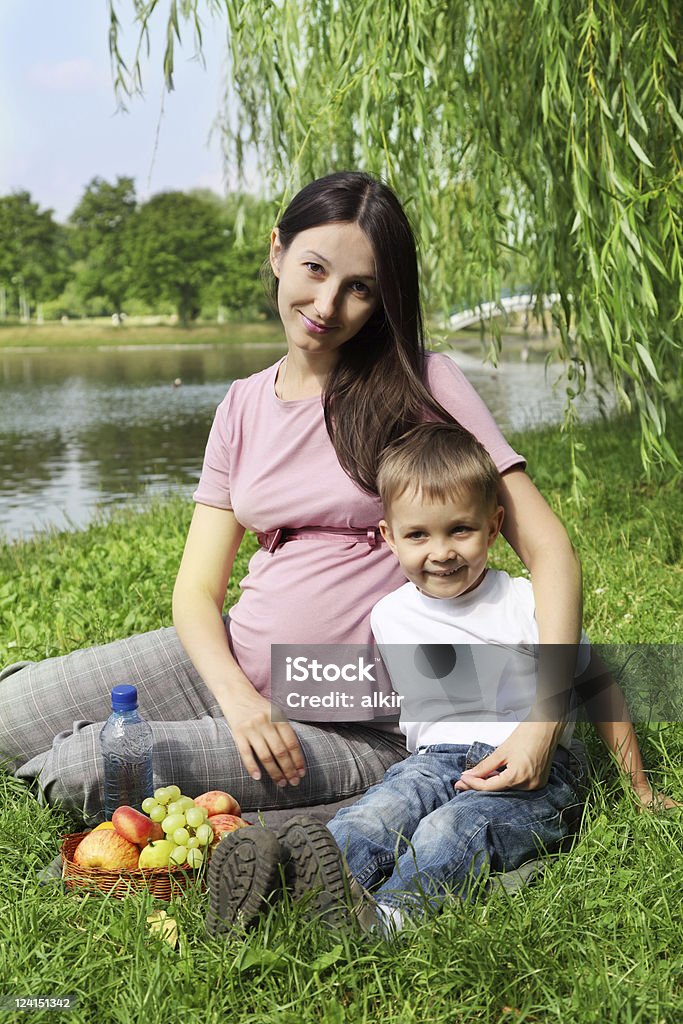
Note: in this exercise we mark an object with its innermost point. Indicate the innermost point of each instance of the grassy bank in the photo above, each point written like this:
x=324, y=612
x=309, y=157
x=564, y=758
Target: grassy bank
x=64, y=590
x=597, y=939
x=98, y=333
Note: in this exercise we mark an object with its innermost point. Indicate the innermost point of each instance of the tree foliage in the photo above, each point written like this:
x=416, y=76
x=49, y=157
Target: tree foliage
x=549, y=130
x=100, y=224
x=33, y=258
x=237, y=285
x=176, y=241
x=195, y=251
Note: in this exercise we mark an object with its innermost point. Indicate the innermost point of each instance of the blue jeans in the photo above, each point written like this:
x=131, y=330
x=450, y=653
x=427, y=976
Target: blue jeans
x=417, y=838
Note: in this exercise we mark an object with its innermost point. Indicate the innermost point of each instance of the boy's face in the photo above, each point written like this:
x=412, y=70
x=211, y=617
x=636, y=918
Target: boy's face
x=442, y=546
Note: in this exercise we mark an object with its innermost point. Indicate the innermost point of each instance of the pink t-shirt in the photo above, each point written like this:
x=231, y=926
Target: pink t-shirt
x=273, y=464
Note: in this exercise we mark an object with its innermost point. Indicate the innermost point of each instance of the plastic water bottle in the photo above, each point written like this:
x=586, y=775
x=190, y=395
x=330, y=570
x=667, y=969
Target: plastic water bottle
x=126, y=742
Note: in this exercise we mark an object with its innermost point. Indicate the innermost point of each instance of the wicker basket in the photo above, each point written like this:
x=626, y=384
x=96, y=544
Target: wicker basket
x=160, y=882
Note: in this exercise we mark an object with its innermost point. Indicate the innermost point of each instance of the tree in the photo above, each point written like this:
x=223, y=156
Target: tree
x=176, y=243
x=99, y=239
x=237, y=284
x=33, y=256
x=551, y=128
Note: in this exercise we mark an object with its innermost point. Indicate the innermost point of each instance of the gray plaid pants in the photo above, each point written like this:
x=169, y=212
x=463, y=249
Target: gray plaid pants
x=51, y=713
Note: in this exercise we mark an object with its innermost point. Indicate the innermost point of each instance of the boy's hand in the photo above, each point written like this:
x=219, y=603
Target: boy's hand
x=650, y=800
x=522, y=761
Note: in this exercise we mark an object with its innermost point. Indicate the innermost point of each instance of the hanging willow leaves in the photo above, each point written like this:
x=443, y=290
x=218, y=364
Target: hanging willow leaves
x=537, y=143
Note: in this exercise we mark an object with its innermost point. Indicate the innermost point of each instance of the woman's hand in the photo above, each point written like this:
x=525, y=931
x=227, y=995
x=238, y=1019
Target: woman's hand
x=262, y=732
x=522, y=761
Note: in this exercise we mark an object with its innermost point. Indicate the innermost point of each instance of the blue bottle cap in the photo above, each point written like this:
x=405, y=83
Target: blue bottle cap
x=124, y=698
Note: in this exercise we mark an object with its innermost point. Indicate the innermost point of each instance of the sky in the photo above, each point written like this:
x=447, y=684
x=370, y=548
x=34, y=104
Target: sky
x=59, y=124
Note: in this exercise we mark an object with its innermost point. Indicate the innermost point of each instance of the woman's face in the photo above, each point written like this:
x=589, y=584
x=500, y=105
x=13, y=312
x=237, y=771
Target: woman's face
x=327, y=286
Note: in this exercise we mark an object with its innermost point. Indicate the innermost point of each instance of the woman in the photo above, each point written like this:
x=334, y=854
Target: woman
x=295, y=448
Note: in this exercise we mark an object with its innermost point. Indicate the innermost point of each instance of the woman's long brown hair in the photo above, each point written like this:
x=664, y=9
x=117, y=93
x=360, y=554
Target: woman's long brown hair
x=377, y=389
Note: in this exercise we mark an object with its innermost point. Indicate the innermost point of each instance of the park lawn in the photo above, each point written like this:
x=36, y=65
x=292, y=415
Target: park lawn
x=96, y=333
x=597, y=939
x=99, y=332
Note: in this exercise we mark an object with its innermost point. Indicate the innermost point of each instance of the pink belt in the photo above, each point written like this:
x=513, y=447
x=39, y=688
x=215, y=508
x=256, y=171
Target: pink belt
x=271, y=541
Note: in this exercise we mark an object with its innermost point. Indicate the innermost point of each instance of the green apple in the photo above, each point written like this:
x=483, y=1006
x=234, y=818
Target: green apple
x=156, y=854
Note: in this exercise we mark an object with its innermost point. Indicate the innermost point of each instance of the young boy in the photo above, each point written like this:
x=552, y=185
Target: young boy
x=458, y=641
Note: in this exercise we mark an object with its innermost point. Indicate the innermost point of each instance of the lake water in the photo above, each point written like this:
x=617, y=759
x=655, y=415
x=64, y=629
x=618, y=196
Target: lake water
x=86, y=429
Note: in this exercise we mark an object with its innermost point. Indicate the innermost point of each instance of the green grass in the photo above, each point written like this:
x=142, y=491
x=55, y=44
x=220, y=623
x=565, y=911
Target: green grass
x=96, y=333
x=64, y=590
x=596, y=940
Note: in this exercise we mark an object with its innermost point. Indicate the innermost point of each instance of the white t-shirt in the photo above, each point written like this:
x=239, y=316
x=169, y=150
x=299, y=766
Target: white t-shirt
x=465, y=667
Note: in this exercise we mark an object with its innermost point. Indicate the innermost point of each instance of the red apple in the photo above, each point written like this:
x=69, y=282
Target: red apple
x=107, y=850
x=222, y=823
x=217, y=802
x=135, y=827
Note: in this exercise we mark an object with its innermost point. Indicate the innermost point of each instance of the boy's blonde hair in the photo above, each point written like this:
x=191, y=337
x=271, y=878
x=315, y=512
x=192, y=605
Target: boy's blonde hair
x=437, y=461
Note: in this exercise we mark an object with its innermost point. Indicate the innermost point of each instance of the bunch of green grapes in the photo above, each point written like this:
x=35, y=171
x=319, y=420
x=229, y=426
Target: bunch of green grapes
x=183, y=823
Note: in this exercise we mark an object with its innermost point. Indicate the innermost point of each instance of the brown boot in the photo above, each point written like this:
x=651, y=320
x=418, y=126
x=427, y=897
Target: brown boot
x=313, y=864
x=244, y=877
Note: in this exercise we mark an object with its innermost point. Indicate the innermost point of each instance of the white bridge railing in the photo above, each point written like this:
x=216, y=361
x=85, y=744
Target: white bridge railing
x=524, y=302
